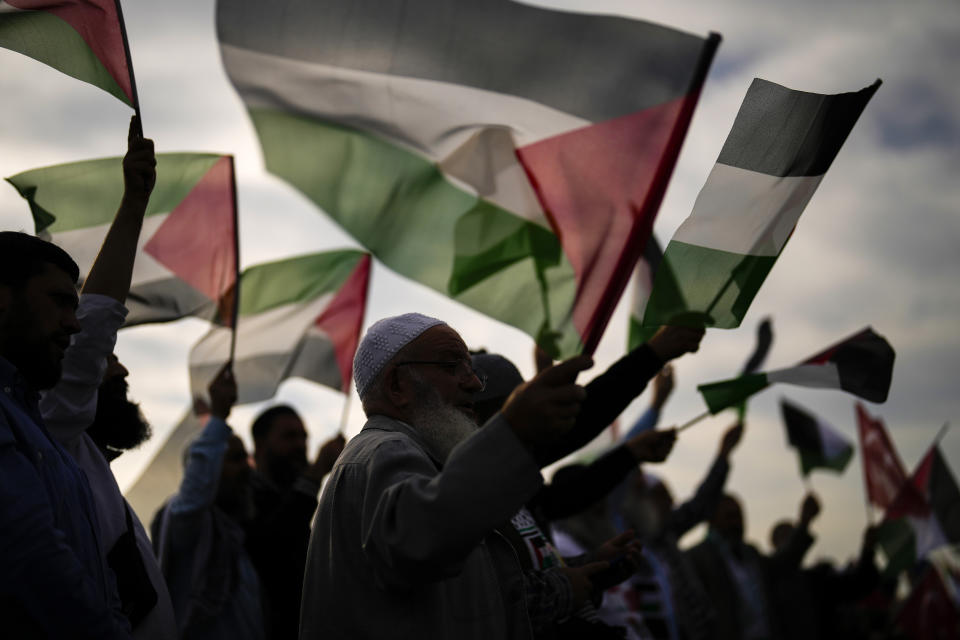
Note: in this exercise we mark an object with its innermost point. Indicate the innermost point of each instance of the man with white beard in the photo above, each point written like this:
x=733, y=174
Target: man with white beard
x=404, y=542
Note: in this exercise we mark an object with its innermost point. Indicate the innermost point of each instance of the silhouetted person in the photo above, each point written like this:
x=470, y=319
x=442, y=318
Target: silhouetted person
x=285, y=488
x=738, y=578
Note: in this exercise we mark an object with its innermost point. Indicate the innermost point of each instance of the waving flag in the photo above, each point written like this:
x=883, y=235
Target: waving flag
x=929, y=612
x=186, y=263
x=781, y=145
x=508, y=156
x=81, y=38
x=862, y=365
x=299, y=317
x=819, y=444
x=883, y=471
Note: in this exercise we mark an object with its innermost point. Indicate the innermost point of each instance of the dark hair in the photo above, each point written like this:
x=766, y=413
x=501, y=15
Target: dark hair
x=264, y=422
x=23, y=256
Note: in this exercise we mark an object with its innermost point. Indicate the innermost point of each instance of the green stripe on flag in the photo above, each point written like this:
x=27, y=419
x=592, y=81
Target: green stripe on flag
x=48, y=39
x=721, y=395
x=691, y=276
x=293, y=280
x=86, y=194
x=638, y=334
x=810, y=460
x=402, y=208
x=899, y=543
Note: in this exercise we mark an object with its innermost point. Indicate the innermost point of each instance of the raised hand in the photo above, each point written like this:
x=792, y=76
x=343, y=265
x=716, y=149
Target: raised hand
x=652, y=446
x=546, y=406
x=139, y=167
x=809, y=509
x=223, y=392
x=672, y=342
x=731, y=438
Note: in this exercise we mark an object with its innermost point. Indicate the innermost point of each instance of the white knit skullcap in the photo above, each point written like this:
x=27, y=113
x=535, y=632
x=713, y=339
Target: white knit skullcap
x=382, y=341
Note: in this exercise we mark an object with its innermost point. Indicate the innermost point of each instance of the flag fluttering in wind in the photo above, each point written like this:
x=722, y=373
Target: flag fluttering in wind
x=508, y=156
x=81, y=38
x=861, y=364
x=819, y=445
x=186, y=263
x=781, y=145
x=929, y=613
x=883, y=471
x=299, y=317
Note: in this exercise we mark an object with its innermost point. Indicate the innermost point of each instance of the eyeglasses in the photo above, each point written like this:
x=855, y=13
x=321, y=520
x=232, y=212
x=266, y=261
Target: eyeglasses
x=453, y=367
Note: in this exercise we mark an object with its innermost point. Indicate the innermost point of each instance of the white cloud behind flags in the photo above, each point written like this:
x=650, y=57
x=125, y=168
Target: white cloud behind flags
x=877, y=244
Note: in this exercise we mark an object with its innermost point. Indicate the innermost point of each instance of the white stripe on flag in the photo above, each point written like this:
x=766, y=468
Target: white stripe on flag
x=746, y=212
x=822, y=376
x=834, y=445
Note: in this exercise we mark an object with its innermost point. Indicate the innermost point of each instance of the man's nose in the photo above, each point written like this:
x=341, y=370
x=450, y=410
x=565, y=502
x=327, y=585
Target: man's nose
x=70, y=323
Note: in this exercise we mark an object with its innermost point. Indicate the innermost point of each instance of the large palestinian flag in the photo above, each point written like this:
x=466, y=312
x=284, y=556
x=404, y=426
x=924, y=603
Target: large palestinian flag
x=643, y=278
x=818, y=444
x=508, y=156
x=781, y=145
x=299, y=317
x=187, y=258
x=862, y=365
x=81, y=38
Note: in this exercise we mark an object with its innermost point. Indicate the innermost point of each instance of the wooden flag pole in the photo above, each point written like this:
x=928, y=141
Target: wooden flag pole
x=133, y=81
x=235, y=311
x=690, y=423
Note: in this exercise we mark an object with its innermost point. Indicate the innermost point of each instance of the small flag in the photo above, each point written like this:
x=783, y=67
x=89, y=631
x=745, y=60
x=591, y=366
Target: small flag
x=299, y=317
x=643, y=285
x=934, y=480
x=819, y=445
x=781, y=145
x=862, y=365
x=81, y=38
x=883, y=471
x=186, y=263
x=508, y=156
x=929, y=612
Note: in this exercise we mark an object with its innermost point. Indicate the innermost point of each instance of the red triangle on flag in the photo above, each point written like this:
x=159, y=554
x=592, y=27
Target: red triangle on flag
x=196, y=241
x=342, y=320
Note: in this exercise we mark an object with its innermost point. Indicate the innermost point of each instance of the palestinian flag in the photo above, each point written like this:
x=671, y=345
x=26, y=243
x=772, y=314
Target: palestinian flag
x=299, y=317
x=819, y=445
x=643, y=285
x=923, y=516
x=781, y=145
x=82, y=38
x=508, y=156
x=187, y=259
x=929, y=612
x=883, y=471
x=862, y=365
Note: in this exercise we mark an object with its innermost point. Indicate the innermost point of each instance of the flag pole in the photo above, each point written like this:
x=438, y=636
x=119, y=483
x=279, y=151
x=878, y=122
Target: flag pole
x=235, y=311
x=134, y=97
x=690, y=423
x=345, y=415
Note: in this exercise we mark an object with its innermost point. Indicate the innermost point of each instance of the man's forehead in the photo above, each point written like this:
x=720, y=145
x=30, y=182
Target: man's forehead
x=439, y=340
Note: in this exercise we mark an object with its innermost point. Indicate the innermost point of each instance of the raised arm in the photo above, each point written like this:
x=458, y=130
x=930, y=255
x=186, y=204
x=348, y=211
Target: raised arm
x=112, y=271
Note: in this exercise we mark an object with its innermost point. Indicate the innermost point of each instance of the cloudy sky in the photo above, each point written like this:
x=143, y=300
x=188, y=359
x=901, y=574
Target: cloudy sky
x=878, y=244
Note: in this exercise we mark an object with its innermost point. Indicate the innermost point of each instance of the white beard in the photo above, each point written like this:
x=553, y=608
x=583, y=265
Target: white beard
x=442, y=425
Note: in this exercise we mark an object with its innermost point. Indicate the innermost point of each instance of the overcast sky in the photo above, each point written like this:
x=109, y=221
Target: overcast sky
x=877, y=245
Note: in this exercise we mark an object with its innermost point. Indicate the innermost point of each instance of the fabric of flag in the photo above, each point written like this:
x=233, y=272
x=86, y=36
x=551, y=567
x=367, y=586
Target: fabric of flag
x=81, y=38
x=299, y=317
x=646, y=269
x=186, y=261
x=934, y=480
x=883, y=471
x=508, y=156
x=861, y=364
x=819, y=445
x=781, y=145
x=929, y=613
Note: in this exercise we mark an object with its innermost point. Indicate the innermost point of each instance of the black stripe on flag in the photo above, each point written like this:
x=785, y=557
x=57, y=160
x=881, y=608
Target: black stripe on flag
x=802, y=430
x=782, y=132
x=610, y=66
x=865, y=365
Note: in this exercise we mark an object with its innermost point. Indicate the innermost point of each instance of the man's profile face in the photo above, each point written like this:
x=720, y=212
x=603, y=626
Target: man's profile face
x=36, y=325
x=118, y=423
x=455, y=385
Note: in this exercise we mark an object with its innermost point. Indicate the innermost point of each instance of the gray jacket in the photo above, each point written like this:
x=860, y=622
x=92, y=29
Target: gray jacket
x=402, y=548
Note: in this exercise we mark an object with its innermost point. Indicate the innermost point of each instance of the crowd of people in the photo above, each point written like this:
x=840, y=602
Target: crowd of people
x=433, y=522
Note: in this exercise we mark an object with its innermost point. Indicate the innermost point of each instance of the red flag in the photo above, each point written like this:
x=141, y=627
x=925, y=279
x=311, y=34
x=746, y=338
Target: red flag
x=883, y=472
x=929, y=612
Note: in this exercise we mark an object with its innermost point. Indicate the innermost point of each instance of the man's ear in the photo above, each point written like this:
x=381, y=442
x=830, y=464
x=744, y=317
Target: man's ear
x=398, y=391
